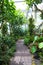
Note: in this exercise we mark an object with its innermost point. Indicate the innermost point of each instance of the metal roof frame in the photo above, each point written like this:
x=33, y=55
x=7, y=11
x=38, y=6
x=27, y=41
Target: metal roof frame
x=19, y=1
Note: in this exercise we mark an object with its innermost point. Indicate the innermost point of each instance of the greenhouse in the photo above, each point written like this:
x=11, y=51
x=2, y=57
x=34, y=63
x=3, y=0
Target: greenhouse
x=21, y=32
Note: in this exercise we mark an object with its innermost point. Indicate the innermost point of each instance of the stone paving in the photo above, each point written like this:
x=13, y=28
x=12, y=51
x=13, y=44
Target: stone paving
x=22, y=55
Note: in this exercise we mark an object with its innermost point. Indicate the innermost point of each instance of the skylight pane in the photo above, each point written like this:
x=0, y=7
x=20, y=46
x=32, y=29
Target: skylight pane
x=18, y=0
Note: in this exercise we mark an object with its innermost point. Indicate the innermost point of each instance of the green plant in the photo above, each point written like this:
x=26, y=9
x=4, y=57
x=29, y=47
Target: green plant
x=41, y=63
x=37, y=50
x=41, y=15
x=40, y=39
x=4, y=28
x=7, y=50
x=33, y=49
x=40, y=45
x=30, y=37
x=41, y=51
x=26, y=41
x=8, y=40
x=11, y=51
x=41, y=55
x=31, y=26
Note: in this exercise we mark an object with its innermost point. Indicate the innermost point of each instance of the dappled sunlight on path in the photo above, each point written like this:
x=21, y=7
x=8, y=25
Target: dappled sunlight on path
x=22, y=56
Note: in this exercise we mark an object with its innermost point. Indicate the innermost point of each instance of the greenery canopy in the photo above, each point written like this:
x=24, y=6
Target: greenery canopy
x=31, y=2
x=10, y=20
x=35, y=2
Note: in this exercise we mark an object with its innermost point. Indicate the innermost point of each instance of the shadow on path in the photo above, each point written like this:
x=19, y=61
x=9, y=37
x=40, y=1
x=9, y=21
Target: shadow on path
x=14, y=63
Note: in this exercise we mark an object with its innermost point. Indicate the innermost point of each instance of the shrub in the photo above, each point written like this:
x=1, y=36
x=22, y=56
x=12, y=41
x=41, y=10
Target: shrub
x=41, y=55
x=40, y=39
x=11, y=50
x=0, y=39
x=31, y=38
x=7, y=49
x=41, y=50
x=16, y=37
x=37, y=50
x=8, y=40
x=26, y=41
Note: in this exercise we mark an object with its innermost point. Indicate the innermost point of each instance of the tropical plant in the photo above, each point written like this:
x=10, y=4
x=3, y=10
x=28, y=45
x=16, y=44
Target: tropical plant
x=31, y=26
x=26, y=41
x=40, y=39
x=35, y=2
x=37, y=48
x=9, y=15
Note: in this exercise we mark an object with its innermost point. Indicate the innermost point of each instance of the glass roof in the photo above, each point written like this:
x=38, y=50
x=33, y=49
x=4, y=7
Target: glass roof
x=18, y=0
x=21, y=5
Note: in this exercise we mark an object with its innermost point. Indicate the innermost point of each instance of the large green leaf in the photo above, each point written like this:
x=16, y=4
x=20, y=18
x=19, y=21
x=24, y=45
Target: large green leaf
x=41, y=45
x=33, y=49
x=36, y=37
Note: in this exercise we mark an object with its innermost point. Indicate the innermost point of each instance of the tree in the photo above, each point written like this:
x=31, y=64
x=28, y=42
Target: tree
x=7, y=10
x=9, y=14
x=35, y=2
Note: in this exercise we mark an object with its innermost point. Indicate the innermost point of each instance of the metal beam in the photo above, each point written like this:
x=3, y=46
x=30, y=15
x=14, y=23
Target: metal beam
x=19, y=1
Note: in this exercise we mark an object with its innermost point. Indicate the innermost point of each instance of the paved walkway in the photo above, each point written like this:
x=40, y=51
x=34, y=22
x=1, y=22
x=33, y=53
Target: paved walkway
x=22, y=55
